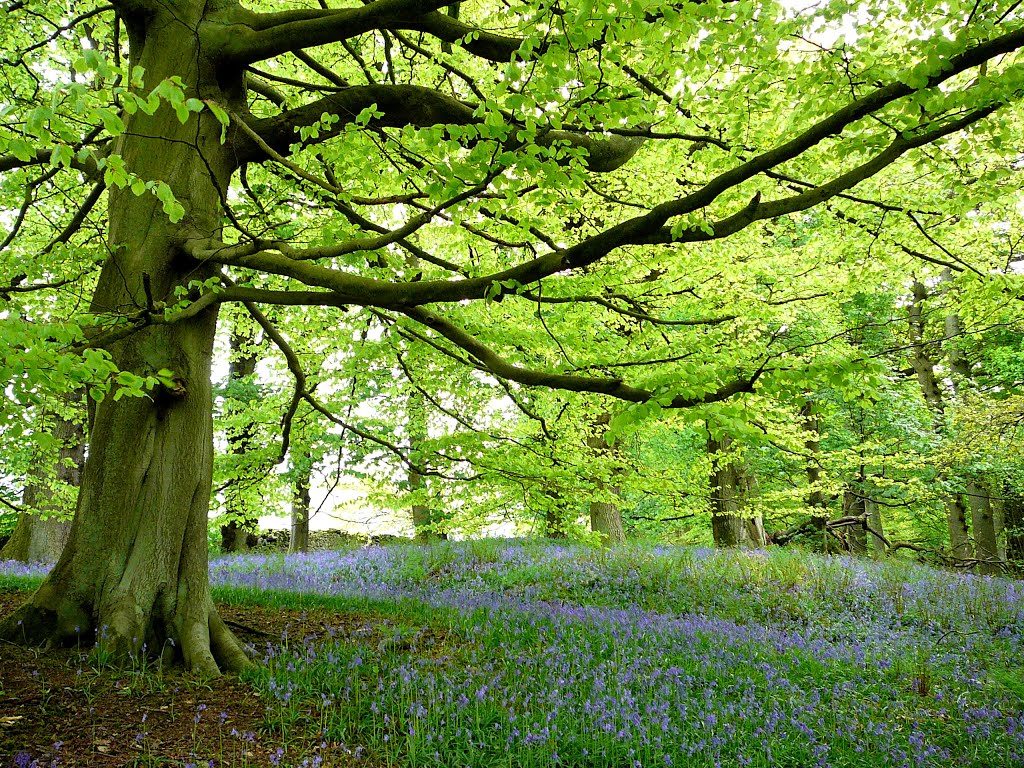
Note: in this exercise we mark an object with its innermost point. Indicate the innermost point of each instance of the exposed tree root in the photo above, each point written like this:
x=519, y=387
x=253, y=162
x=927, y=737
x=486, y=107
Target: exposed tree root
x=199, y=639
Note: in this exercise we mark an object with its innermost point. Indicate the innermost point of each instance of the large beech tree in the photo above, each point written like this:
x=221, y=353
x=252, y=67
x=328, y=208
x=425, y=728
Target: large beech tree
x=425, y=162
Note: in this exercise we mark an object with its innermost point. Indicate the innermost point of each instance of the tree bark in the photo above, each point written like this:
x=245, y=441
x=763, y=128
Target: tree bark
x=982, y=523
x=999, y=524
x=134, y=568
x=752, y=533
x=606, y=520
x=554, y=522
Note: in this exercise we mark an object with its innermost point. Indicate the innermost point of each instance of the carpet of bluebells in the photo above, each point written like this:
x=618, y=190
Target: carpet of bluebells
x=539, y=654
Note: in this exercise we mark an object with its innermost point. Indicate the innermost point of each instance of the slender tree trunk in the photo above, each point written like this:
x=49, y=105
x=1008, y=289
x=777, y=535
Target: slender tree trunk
x=999, y=524
x=876, y=531
x=726, y=525
x=1013, y=516
x=753, y=526
x=49, y=492
x=554, y=522
x=299, y=541
x=986, y=547
x=924, y=368
x=815, y=498
x=856, y=534
x=238, y=534
x=982, y=524
x=956, y=521
x=425, y=520
x=135, y=563
x=605, y=516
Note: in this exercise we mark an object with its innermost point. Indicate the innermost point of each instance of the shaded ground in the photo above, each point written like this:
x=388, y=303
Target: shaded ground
x=57, y=709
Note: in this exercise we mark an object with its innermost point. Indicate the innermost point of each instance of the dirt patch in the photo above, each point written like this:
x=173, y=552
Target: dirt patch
x=58, y=709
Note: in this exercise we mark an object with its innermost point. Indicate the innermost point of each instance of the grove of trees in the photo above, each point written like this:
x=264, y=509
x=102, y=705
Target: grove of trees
x=752, y=265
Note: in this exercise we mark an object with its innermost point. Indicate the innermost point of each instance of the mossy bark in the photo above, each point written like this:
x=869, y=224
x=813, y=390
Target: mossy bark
x=134, y=569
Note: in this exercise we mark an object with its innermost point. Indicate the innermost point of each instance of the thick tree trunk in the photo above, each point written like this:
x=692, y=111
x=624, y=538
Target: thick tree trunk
x=606, y=520
x=16, y=547
x=48, y=498
x=238, y=533
x=986, y=548
x=35, y=540
x=135, y=565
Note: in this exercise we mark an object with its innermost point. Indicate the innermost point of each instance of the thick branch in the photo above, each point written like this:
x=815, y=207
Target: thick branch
x=649, y=228
x=408, y=105
x=244, y=39
x=493, y=363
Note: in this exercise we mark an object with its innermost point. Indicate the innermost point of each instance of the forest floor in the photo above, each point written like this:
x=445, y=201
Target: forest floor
x=107, y=718
x=532, y=654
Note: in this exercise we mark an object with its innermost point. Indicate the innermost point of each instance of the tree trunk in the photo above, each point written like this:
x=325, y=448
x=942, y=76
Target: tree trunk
x=43, y=529
x=956, y=521
x=16, y=547
x=875, y=529
x=425, y=521
x=999, y=524
x=35, y=540
x=606, y=520
x=986, y=548
x=752, y=533
x=238, y=533
x=726, y=525
x=856, y=534
x=299, y=541
x=1013, y=519
x=605, y=516
x=956, y=515
x=134, y=568
x=815, y=499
